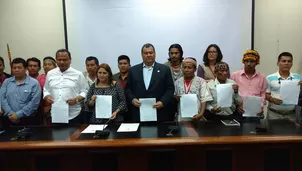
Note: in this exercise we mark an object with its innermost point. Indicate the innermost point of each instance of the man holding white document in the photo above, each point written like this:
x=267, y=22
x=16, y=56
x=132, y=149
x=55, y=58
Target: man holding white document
x=191, y=91
x=252, y=84
x=65, y=87
x=283, y=88
x=226, y=98
x=151, y=82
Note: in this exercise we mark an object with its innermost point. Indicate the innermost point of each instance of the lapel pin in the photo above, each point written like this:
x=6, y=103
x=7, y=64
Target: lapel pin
x=158, y=70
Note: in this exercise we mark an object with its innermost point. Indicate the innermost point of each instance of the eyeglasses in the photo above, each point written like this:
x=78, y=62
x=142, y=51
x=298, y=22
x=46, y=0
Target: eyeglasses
x=212, y=52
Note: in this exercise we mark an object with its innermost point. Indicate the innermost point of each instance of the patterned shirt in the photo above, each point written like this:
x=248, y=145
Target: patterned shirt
x=197, y=85
x=224, y=110
x=273, y=87
x=118, y=101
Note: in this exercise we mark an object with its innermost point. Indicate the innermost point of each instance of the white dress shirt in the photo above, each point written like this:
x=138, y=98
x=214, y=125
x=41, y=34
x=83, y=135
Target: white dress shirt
x=66, y=85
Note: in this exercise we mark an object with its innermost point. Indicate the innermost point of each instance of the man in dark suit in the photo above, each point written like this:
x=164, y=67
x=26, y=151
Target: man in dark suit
x=150, y=80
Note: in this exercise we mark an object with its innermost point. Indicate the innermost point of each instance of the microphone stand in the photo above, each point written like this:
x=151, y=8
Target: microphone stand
x=175, y=127
x=263, y=124
x=102, y=133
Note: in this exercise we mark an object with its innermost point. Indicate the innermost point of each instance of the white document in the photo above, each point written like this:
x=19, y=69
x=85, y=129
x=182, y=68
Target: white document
x=128, y=127
x=60, y=112
x=224, y=95
x=289, y=92
x=188, y=105
x=252, y=106
x=93, y=128
x=146, y=110
x=103, y=106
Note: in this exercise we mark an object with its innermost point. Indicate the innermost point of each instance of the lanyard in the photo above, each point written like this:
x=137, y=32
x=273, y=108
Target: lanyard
x=187, y=88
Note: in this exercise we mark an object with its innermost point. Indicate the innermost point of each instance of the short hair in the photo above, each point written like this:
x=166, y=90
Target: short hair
x=147, y=45
x=219, y=54
x=2, y=60
x=177, y=46
x=48, y=57
x=221, y=65
x=52, y=60
x=108, y=69
x=92, y=58
x=20, y=61
x=123, y=57
x=63, y=50
x=34, y=59
x=195, y=64
x=284, y=54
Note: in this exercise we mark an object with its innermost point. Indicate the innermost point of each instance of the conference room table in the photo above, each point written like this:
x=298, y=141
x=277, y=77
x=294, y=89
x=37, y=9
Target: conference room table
x=202, y=146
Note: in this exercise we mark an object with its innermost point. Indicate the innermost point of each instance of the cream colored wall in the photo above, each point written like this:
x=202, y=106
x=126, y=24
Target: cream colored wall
x=31, y=28
x=278, y=28
x=35, y=28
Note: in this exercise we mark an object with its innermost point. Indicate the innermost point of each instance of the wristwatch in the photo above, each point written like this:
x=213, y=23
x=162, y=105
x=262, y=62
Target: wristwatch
x=77, y=100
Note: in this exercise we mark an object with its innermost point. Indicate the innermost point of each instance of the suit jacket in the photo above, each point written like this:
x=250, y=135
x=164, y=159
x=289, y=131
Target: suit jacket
x=161, y=87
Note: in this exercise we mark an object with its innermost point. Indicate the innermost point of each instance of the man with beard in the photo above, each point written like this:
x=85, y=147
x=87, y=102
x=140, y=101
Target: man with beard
x=123, y=66
x=250, y=82
x=175, y=60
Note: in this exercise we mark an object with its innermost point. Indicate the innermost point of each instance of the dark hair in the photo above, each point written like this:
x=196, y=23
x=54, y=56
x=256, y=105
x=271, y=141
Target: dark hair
x=177, y=46
x=92, y=58
x=123, y=57
x=34, y=59
x=147, y=45
x=218, y=66
x=63, y=50
x=2, y=60
x=219, y=54
x=285, y=54
x=108, y=69
x=48, y=57
x=20, y=61
x=192, y=59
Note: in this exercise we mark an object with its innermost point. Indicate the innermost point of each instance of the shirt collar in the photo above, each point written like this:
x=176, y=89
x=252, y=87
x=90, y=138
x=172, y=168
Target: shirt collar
x=242, y=72
x=144, y=65
x=67, y=70
x=291, y=75
x=25, y=81
x=217, y=82
x=119, y=76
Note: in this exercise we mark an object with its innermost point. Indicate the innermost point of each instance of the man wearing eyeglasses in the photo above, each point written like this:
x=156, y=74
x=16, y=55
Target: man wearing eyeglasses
x=276, y=108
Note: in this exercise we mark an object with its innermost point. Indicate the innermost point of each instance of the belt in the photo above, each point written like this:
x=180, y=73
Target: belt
x=282, y=112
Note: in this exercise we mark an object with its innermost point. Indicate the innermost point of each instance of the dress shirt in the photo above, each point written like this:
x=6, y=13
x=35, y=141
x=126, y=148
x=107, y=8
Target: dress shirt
x=88, y=79
x=250, y=86
x=147, y=74
x=117, y=77
x=66, y=85
x=21, y=98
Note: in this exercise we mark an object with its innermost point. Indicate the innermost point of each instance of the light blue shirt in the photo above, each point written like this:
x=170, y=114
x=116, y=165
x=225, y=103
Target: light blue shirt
x=147, y=74
x=23, y=98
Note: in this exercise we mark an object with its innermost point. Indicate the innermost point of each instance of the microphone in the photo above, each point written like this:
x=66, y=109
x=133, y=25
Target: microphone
x=102, y=133
x=262, y=127
x=174, y=128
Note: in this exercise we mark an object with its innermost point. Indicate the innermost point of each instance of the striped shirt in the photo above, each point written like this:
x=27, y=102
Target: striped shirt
x=273, y=87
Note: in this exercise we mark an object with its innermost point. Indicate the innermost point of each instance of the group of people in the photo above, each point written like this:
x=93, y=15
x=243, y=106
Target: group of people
x=26, y=95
